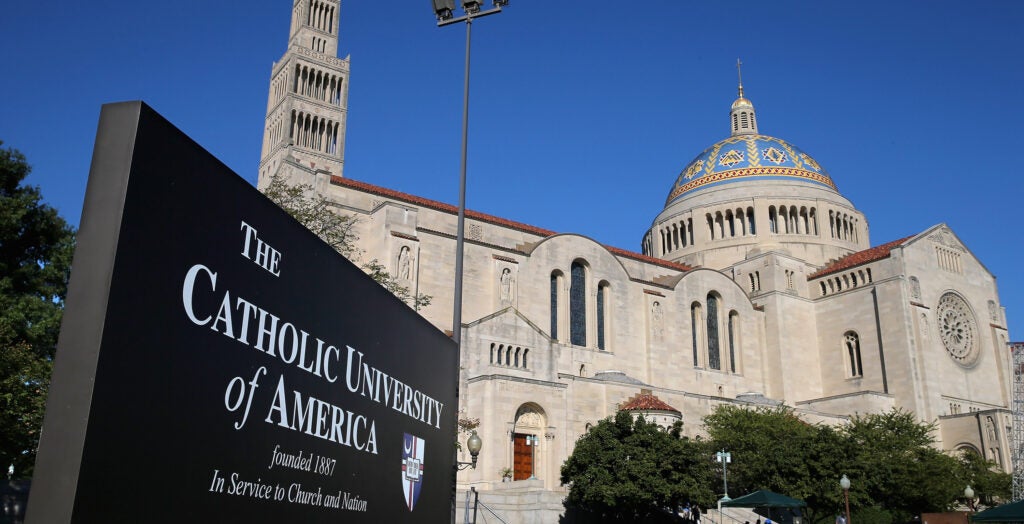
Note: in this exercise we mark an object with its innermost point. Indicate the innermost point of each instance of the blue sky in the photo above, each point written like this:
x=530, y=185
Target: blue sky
x=582, y=113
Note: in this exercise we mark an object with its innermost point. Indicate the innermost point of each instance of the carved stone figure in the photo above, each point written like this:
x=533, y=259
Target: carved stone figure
x=506, y=286
x=404, y=264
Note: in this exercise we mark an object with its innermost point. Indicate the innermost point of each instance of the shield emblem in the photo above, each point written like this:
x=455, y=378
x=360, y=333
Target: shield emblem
x=412, y=469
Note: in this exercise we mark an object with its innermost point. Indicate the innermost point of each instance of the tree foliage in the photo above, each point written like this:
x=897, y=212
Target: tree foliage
x=315, y=212
x=897, y=467
x=772, y=448
x=621, y=469
x=629, y=470
x=36, y=246
x=990, y=484
x=894, y=467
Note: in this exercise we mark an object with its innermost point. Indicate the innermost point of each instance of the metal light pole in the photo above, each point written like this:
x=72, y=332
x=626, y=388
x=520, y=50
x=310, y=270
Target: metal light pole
x=969, y=495
x=845, y=484
x=473, y=444
x=725, y=458
x=443, y=9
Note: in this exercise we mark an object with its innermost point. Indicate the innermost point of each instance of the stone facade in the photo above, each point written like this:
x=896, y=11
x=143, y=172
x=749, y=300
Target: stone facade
x=755, y=285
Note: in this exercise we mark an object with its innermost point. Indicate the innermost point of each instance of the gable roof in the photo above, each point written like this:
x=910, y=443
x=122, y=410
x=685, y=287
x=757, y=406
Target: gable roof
x=483, y=217
x=859, y=258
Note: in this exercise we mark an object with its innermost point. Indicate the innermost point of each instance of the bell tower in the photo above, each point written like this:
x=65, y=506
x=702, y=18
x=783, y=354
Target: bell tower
x=304, y=133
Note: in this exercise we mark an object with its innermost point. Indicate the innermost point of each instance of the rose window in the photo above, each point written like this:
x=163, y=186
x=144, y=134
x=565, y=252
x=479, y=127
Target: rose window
x=956, y=328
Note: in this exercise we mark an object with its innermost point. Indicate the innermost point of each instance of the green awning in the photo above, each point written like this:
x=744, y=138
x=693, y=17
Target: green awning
x=1012, y=512
x=764, y=499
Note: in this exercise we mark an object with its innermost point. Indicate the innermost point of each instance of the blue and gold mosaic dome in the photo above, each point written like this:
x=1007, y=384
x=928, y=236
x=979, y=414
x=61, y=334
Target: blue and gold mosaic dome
x=747, y=158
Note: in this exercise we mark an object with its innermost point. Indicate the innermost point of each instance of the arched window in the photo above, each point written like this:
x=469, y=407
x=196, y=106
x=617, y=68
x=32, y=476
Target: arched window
x=602, y=316
x=714, y=356
x=772, y=220
x=492, y=353
x=751, y=229
x=516, y=361
x=578, y=304
x=734, y=339
x=696, y=321
x=525, y=352
x=851, y=342
x=556, y=285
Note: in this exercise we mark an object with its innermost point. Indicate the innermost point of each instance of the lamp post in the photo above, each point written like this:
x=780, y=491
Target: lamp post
x=443, y=9
x=969, y=495
x=473, y=444
x=845, y=484
x=725, y=458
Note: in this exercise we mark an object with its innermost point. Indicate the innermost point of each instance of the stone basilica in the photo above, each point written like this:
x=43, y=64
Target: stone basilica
x=757, y=284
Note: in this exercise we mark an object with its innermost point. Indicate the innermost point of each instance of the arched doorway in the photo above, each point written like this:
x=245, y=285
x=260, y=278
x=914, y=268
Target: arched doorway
x=527, y=435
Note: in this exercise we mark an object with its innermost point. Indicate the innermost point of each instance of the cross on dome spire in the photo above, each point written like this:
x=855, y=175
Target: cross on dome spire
x=741, y=117
x=739, y=73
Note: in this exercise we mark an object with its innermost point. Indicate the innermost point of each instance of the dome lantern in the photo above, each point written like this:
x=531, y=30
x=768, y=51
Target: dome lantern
x=741, y=117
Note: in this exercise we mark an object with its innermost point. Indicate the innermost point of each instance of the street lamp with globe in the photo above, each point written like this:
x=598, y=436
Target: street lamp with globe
x=845, y=484
x=969, y=495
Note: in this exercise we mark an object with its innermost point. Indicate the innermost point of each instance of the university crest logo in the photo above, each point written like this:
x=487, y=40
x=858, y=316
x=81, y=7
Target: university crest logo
x=412, y=468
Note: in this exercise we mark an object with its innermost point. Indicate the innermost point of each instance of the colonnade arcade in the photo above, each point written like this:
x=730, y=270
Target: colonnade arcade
x=732, y=222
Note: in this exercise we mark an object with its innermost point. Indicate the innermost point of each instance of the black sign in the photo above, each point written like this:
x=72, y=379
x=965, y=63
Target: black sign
x=219, y=363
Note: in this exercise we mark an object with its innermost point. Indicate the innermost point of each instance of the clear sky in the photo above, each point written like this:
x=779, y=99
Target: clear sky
x=582, y=113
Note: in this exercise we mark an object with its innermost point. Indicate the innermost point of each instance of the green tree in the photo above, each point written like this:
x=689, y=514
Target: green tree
x=337, y=230
x=891, y=458
x=990, y=484
x=629, y=470
x=36, y=246
x=774, y=449
x=895, y=469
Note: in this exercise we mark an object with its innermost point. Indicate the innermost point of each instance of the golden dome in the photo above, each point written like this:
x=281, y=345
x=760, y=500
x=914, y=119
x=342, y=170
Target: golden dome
x=742, y=103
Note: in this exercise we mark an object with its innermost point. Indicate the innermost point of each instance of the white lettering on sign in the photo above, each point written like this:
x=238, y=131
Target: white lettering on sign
x=267, y=257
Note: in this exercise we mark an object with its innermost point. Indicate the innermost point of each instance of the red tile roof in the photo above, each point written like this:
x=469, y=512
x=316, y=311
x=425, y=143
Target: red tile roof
x=448, y=208
x=860, y=257
x=646, y=402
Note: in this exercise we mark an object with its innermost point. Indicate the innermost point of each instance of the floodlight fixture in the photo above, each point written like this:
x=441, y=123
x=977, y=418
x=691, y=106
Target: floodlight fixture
x=443, y=9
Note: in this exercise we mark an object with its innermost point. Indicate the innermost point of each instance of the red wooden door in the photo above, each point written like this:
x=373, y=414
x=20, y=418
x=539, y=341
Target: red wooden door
x=522, y=458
